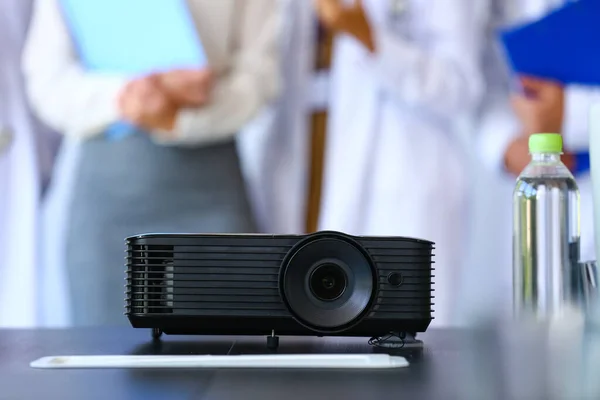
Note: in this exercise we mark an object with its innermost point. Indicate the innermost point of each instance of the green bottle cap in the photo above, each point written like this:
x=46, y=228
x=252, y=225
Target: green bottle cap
x=545, y=143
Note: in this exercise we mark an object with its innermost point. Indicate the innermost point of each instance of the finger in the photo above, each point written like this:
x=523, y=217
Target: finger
x=193, y=76
x=539, y=86
x=148, y=91
x=531, y=84
x=138, y=88
x=205, y=75
x=178, y=80
x=207, y=82
x=136, y=105
x=209, y=74
x=132, y=111
x=551, y=90
x=122, y=103
x=196, y=99
x=160, y=102
x=149, y=86
x=143, y=91
x=152, y=104
x=127, y=91
x=192, y=79
x=523, y=108
x=153, y=80
x=123, y=96
x=196, y=86
x=128, y=100
x=519, y=102
x=163, y=78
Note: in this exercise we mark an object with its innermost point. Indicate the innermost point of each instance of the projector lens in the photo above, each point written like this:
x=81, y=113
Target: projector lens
x=328, y=282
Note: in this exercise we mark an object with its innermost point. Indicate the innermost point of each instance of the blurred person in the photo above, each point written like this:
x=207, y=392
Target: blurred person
x=480, y=288
x=183, y=175
x=404, y=77
x=282, y=151
x=507, y=120
x=274, y=148
x=27, y=151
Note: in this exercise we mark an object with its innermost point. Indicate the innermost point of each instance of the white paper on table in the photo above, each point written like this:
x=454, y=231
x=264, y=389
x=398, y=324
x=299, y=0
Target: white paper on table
x=303, y=361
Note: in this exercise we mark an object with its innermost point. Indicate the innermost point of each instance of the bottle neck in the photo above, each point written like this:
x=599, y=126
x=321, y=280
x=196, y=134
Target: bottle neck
x=546, y=157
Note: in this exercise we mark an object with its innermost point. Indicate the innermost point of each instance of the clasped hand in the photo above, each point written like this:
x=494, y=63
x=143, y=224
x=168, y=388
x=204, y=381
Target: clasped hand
x=540, y=108
x=153, y=102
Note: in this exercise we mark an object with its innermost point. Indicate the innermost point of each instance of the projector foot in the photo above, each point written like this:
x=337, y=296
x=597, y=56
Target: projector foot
x=156, y=333
x=272, y=341
x=410, y=340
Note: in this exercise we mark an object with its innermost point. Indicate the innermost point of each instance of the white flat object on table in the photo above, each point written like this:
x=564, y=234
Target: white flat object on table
x=304, y=361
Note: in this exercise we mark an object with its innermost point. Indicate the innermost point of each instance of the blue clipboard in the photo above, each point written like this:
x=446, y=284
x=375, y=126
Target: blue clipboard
x=133, y=38
x=563, y=46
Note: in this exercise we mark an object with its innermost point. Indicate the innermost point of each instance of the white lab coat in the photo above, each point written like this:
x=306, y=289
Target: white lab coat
x=481, y=287
x=25, y=166
x=274, y=148
x=394, y=161
x=498, y=127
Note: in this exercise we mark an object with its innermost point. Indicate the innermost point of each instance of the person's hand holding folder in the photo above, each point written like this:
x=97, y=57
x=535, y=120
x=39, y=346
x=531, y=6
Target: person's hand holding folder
x=89, y=64
x=188, y=88
x=539, y=105
x=143, y=104
x=153, y=102
x=153, y=44
x=559, y=50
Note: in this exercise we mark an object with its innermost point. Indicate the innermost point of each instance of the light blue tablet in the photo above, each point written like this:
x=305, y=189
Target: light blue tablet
x=134, y=37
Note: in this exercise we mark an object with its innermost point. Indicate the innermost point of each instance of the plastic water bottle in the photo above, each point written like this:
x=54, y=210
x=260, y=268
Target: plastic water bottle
x=546, y=232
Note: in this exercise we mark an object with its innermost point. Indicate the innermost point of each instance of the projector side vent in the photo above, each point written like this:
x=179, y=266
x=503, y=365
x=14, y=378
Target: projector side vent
x=148, y=273
x=210, y=277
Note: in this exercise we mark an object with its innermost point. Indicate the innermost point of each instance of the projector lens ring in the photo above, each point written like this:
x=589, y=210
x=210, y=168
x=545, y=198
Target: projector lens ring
x=328, y=283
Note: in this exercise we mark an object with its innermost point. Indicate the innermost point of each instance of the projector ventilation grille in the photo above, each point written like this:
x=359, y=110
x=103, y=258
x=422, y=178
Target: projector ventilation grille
x=214, y=278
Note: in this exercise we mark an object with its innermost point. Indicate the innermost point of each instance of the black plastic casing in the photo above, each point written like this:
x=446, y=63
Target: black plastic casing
x=218, y=284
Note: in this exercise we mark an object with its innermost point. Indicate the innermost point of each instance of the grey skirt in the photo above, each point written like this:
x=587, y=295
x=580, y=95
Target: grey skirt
x=133, y=186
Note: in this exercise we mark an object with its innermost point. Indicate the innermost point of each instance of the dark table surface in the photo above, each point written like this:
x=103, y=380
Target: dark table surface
x=453, y=364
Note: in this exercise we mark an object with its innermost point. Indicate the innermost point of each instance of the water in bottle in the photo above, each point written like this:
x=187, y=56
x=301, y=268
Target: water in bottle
x=545, y=232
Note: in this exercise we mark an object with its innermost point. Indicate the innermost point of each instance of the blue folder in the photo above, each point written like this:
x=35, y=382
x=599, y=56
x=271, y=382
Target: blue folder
x=133, y=38
x=563, y=46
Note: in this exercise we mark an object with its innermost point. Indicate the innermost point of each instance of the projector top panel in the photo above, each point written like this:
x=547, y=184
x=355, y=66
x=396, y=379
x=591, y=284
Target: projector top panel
x=192, y=238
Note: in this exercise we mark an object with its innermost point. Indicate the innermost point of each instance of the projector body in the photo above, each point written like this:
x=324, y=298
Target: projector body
x=322, y=284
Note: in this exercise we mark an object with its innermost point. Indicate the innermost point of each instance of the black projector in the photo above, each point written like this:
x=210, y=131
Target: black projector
x=321, y=284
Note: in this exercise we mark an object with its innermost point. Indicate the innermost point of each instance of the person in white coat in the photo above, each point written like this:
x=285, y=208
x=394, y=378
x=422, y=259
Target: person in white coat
x=274, y=148
x=26, y=156
x=481, y=284
x=404, y=74
x=506, y=123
